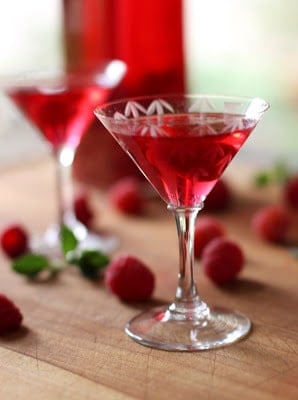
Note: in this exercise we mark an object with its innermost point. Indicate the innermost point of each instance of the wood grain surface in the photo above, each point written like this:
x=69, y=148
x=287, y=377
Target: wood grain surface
x=72, y=344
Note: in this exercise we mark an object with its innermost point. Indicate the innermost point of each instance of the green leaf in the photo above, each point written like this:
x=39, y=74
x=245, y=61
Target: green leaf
x=30, y=264
x=262, y=179
x=91, y=262
x=69, y=242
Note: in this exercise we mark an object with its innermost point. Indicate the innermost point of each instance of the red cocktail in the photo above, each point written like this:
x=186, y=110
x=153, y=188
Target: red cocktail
x=60, y=106
x=182, y=144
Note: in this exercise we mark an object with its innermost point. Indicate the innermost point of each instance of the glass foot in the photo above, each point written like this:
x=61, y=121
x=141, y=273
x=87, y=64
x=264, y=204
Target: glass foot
x=158, y=328
x=49, y=243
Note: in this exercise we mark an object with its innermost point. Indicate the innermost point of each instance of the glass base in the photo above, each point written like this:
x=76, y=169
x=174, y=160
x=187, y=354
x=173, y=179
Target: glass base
x=49, y=243
x=158, y=328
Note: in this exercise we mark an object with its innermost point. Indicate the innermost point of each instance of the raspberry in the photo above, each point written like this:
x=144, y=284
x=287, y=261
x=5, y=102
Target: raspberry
x=207, y=228
x=129, y=279
x=290, y=192
x=222, y=260
x=14, y=241
x=82, y=210
x=219, y=197
x=10, y=316
x=271, y=223
x=126, y=196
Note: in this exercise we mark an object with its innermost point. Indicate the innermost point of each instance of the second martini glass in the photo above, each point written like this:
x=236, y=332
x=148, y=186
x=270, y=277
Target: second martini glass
x=182, y=144
x=60, y=105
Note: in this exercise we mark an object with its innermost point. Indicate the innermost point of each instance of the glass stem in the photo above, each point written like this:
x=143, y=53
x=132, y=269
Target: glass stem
x=187, y=304
x=64, y=159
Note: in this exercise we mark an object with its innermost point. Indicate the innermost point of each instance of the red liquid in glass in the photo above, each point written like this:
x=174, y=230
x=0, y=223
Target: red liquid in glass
x=184, y=162
x=62, y=114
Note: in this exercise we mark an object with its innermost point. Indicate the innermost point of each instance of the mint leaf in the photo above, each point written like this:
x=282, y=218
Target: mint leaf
x=262, y=179
x=69, y=242
x=30, y=264
x=91, y=262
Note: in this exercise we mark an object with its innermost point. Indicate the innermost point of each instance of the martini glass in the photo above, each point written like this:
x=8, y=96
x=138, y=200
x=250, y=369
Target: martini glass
x=60, y=105
x=182, y=144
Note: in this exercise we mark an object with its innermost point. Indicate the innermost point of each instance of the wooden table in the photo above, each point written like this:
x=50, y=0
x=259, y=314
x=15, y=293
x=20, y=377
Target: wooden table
x=72, y=344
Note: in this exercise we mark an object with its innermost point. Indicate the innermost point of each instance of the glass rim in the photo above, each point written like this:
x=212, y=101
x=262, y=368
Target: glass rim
x=108, y=73
x=99, y=109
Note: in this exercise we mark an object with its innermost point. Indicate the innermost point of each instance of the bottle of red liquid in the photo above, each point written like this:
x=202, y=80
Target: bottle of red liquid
x=148, y=36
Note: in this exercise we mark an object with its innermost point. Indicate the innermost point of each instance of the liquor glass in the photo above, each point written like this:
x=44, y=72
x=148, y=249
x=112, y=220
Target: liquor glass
x=182, y=144
x=60, y=105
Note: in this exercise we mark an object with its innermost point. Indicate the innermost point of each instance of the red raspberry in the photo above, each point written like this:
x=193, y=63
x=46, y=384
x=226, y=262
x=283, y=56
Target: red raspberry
x=10, y=316
x=14, y=241
x=219, y=197
x=129, y=279
x=271, y=223
x=126, y=196
x=207, y=228
x=290, y=192
x=82, y=210
x=222, y=260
